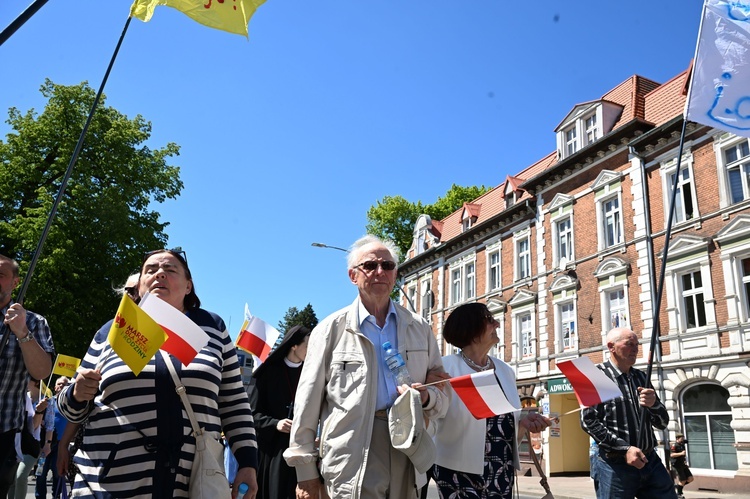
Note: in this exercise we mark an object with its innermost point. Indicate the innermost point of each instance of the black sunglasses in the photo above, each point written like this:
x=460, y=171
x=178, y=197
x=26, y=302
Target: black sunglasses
x=372, y=265
x=176, y=250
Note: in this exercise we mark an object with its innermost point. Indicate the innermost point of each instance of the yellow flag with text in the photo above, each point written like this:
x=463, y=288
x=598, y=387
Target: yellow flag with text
x=135, y=336
x=66, y=365
x=226, y=15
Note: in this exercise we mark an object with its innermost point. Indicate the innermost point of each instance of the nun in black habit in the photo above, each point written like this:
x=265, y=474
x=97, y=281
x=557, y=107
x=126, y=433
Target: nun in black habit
x=272, y=400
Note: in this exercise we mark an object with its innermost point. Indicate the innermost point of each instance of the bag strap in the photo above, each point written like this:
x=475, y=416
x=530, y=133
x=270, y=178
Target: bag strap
x=180, y=389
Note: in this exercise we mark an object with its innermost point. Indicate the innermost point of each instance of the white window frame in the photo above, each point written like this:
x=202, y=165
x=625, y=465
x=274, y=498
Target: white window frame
x=525, y=309
x=685, y=188
x=411, y=293
x=694, y=295
x=561, y=320
x=724, y=144
x=558, y=235
x=570, y=139
x=463, y=280
x=622, y=308
x=425, y=298
x=608, y=212
x=494, y=275
x=591, y=128
x=744, y=284
x=522, y=258
x=525, y=325
x=684, y=264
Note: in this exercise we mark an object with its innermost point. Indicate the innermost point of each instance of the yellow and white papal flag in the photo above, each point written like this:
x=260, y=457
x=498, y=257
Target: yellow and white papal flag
x=719, y=94
x=226, y=15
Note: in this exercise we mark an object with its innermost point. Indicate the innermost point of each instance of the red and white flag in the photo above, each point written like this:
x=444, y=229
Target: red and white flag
x=482, y=394
x=257, y=337
x=185, y=337
x=589, y=383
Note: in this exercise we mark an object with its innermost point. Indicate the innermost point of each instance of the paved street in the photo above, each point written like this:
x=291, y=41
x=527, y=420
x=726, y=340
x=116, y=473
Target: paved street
x=578, y=487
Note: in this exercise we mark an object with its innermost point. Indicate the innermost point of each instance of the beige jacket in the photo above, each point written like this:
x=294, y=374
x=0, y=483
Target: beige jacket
x=338, y=390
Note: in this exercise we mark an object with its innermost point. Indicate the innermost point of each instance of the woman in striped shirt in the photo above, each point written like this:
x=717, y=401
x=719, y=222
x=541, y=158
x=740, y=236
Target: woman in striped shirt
x=138, y=440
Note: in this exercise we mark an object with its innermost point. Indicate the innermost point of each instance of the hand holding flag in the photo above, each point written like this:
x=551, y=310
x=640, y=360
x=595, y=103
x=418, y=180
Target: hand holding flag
x=590, y=384
x=134, y=336
x=482, y=394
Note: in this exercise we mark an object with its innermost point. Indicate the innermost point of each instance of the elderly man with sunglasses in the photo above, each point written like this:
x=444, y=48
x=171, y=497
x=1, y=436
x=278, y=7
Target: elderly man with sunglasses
x=346, y=389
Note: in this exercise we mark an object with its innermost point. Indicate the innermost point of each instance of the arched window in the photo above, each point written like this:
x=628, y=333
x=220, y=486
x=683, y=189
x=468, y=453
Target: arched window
x=707, y=428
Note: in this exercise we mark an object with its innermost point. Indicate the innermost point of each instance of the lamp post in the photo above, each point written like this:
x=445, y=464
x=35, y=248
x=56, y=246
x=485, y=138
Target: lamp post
x=321, y=245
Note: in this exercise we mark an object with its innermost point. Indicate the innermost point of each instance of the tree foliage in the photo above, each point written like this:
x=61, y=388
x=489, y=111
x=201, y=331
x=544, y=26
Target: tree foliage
x=104, y=223
x=295, y=317
x=393, y=217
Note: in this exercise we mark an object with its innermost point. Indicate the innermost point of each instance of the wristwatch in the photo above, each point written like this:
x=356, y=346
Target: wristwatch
x=26, y=338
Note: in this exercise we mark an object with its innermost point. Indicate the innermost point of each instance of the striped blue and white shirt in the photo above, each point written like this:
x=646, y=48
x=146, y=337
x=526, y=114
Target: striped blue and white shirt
x=138, y=440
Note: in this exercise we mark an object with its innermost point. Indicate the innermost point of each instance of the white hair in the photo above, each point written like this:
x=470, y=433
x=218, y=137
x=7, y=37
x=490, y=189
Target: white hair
x=355, y=250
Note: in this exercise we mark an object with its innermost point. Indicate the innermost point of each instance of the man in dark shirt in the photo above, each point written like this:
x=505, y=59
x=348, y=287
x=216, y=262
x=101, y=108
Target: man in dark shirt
x=680, y=467
x=627, y=466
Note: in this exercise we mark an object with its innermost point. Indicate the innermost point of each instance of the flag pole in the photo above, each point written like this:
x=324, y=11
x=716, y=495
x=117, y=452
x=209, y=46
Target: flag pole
x=27, y=278
x=21, y=20
x=655, y=327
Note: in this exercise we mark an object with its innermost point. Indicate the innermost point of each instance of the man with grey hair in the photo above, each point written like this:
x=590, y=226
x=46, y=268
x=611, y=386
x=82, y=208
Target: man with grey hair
x=346, y=389
x=627, y=465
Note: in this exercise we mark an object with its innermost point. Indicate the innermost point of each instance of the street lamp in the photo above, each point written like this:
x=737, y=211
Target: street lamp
x=321, y=245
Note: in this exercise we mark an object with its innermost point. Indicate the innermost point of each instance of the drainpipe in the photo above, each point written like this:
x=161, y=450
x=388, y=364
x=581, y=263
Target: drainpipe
x=652, y=274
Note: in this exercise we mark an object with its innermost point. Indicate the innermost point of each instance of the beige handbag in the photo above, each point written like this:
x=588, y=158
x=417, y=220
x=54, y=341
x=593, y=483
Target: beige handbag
x=207, y=477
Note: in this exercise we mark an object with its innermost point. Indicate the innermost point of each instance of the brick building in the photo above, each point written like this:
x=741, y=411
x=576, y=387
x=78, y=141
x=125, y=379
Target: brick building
x=572, y=245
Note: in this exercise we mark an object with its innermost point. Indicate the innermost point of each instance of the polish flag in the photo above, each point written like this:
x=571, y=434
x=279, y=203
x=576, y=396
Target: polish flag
x=257, y=337
x=482, y=394
x=185, y=337
x=589, y=383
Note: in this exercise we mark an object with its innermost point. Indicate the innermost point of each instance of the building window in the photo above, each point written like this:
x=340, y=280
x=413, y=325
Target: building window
x=470, y=280
x=523, y=259
x=571, y=140
x=525, y=336
x=746, y=285
x=426, y=304
x=683, y=203
x=694, y=308
x=411, y=293
x=463, y=282
x=591, y=129
x=564, y=239
x=466, y=224
x=567, y=325
x=612, y=221
x=737, y=165
x=510, y=199
x=494, y=266
x=708, y=419
x=617, y=308
x=456, y=286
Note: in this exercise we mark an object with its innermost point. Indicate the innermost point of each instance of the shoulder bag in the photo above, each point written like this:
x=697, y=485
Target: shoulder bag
x=30, y=446
x=207, y=477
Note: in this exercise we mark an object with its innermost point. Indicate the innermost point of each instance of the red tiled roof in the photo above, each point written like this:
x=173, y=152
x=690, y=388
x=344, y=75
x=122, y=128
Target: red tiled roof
x=667, y=101
x=473, y=209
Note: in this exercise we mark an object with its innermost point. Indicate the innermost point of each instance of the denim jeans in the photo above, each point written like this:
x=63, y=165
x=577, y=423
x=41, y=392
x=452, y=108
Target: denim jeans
x=40, y=489
x=616, y=479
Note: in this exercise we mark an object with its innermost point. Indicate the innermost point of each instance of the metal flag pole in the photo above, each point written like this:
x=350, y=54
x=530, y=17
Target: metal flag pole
x=63, y=185
x=21, y=20
x=655, y=327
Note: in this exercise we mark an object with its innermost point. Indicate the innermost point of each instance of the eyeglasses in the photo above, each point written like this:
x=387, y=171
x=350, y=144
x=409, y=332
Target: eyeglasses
x=372, y=265
x=490, y=319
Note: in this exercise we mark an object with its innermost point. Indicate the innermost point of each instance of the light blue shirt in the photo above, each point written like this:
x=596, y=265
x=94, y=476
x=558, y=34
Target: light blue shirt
x=387, y=392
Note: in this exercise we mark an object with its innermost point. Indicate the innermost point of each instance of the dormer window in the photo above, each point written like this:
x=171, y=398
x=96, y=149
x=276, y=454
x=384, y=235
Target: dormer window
x=592, y=131
x=585, y=124
x=571, y=140
x=510, y=199
x=469, y=216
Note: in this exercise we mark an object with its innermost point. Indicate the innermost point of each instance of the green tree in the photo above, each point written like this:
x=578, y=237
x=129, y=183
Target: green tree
x=295, y=317
x=104, y=223
x=393, y=217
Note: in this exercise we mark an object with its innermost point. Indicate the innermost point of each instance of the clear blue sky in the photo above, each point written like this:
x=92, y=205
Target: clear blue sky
x=289, y=137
